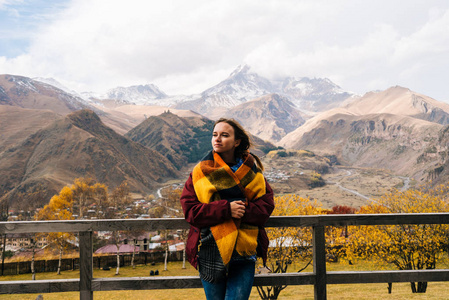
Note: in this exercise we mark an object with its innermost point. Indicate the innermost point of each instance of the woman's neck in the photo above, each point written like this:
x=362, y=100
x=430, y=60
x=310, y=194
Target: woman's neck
x=228, y=158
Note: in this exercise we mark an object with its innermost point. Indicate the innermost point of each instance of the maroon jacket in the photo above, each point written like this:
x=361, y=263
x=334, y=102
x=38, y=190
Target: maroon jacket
x=200, y=215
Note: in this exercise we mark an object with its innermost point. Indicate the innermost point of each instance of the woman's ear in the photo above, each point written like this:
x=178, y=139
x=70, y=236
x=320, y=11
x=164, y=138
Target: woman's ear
x=237, y=142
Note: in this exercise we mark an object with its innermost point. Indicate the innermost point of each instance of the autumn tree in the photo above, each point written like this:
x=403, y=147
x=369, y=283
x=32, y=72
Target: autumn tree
x=117, y=238
x=407, y=247
x=135, y=235
x=119, y=198
x=336, y=236
x=82, y=194
x=100, y=198
x=288, y=244
x=170, y=200
x=59, y=208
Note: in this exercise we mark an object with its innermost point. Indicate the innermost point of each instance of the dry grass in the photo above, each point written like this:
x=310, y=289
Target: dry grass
x=436, y=290
x=401, y=291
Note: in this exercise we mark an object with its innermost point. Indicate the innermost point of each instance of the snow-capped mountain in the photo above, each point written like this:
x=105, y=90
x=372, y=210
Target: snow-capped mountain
x=239, y=87
x=148, y=94
x=312, y=94
x=309, y=95
x=57, y=84
x=242, y=85
x=36, y=94
x=88, y=97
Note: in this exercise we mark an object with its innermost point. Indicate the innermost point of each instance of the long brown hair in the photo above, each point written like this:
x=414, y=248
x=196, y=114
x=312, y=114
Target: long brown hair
x=245, y=140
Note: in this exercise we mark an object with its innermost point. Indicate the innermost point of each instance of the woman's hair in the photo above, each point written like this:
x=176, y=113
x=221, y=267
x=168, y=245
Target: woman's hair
x=245, y=140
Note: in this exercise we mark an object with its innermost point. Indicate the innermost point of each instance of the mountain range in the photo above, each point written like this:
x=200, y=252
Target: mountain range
x=51, y=135
x=77, y=145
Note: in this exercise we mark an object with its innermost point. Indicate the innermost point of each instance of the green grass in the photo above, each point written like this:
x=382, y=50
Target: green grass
x=435, y=290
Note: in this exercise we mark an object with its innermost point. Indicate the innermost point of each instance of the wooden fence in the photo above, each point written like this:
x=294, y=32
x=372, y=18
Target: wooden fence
x=320, y=278
x=100, y=261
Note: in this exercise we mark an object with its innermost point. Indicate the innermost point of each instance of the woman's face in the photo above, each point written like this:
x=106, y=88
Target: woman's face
x=223, y=139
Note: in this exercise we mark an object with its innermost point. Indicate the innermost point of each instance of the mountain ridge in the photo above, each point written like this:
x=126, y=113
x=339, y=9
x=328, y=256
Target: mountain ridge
x=79, y=145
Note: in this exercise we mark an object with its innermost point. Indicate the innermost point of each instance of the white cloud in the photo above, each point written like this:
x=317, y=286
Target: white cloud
x=187, y=46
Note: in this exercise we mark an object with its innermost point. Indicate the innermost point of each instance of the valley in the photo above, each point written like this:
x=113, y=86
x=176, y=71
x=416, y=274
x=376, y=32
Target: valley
x=343, y=185
x=316, y=140
x=353, y=187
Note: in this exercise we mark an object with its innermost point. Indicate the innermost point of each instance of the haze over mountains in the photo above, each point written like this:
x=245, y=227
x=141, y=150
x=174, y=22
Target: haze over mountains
x=52, y=135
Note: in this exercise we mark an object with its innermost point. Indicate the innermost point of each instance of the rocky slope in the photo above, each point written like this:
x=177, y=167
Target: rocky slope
x=182, y=140
x=393, y=129
x=28, y=93
x=76, y=146
x=243, y=85
x=269, y=117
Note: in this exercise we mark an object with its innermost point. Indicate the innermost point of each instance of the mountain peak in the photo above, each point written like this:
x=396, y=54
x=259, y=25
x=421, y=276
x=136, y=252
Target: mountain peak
x=28, y=93
x=241, y=69
x=136, y=94
x=81, y=116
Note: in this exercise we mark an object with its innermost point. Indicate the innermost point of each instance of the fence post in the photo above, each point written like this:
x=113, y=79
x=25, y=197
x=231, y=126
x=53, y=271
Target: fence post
x=319, y=262
x=86, y=265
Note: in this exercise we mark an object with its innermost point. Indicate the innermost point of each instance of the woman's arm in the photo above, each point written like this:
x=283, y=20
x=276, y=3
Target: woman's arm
x=200, y=214
x=259, y=210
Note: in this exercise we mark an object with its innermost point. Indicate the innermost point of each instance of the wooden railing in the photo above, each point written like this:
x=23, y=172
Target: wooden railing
x=320, y=278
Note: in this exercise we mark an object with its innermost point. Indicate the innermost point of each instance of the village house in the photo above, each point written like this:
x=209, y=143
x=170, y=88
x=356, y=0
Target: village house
x=22, y=240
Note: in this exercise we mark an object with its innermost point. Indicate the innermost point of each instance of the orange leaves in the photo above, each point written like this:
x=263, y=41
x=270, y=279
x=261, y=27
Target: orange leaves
x=406, y=246
x=59, y=207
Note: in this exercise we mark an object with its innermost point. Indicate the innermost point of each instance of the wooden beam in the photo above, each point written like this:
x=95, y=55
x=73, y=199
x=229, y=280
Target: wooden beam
x=92, y=225
x=319, y=262
x=86, y=266
x=180, y=223
x=387, y=276
x=39, y=286
x=181, y=282
x=178, y=282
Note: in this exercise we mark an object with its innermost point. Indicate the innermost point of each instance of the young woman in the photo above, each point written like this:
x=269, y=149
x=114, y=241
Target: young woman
x=227, y=201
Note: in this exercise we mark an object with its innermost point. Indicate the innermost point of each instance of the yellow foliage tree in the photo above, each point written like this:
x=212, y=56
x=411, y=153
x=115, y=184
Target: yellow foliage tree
x=100, y=198
x=82, y=189
x=407, y=247
x=59, y=208
x=86, y=192
x=289, y=243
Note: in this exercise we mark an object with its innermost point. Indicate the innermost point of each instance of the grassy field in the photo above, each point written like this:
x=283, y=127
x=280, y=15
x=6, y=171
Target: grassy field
x=435, y=290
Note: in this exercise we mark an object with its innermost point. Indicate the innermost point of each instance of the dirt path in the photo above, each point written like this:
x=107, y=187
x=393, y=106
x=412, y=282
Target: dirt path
x=355, y=187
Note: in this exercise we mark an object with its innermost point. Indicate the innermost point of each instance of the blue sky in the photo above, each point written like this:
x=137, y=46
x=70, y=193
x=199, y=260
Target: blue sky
x=184, y=47
x=19, y=21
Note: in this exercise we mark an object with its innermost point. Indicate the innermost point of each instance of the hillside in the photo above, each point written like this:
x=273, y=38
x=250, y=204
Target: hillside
x=269, y=117
x=182, y=140
x=28, y=93
x=76, y=146
x=363, y=133
x=401, y=101
x=18, y=123
x=124, y=117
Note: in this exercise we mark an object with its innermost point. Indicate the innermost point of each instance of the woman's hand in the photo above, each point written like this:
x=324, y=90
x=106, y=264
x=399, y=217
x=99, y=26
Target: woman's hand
x=237, y=209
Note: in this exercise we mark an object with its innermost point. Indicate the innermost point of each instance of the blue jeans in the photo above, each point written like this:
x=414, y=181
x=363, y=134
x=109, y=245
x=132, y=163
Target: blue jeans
x=237, y=285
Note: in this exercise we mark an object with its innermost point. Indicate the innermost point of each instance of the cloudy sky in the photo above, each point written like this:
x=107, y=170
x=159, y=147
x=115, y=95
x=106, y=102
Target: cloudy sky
x=185, y=47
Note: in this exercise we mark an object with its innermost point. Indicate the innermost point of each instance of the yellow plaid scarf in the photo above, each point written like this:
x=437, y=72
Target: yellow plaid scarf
x=213, y=180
